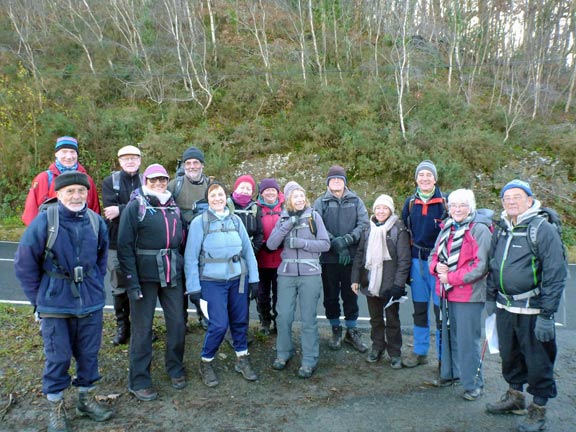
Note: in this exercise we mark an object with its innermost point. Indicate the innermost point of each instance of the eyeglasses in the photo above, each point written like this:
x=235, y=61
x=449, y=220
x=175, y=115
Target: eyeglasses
x=513, y=198
x=158, y=179
x=458, y=206
x=129, y=158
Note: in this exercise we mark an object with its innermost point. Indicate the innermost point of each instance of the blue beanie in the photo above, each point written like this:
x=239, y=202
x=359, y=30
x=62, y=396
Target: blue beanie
x=66, y=142
x=193, y=153
x=517, y=184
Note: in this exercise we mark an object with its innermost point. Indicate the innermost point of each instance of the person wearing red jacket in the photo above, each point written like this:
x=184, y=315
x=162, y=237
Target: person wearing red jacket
x=270, y=201
x=42, y=189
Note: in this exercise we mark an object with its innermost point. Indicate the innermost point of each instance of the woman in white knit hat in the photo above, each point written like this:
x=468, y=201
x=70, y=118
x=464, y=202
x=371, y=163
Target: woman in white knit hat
x=380, y=271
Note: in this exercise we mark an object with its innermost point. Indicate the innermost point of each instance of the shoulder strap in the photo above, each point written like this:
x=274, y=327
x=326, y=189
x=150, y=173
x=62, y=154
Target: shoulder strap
x=533, y=227
x=312, y=223
x=116, y=181
x=50, y=178
x=178, y=186
x=52, y=226
x=95, y=222
x=408, y=219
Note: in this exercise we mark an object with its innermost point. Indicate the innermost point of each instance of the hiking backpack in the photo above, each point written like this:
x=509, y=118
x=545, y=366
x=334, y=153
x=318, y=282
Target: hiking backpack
x=551, y=216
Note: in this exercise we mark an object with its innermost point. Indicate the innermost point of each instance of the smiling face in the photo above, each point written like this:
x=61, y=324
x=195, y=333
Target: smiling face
x=244, y=188
x=217, y=199
x=516, y=202
x=298, y=199
x=130, y=163
x=157, y=184
x=459, y=210
x=73, y=197
x=382, y=213
x=67, y=157
x=270, y=195
x=425, y=181
x=193, y=169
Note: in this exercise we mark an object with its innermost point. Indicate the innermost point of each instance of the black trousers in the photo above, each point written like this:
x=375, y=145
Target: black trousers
x=385, y=334
x=336, y=283
x=525, y=360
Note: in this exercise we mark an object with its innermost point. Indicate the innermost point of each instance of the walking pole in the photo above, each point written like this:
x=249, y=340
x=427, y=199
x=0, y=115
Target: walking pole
x=484, y=345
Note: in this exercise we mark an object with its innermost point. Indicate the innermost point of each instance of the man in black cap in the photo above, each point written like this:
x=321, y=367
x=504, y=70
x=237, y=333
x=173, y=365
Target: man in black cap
x=64, y=281
x=345, y=217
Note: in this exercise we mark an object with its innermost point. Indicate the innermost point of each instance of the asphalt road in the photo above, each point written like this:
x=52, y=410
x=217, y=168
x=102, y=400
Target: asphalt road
x=10, y=292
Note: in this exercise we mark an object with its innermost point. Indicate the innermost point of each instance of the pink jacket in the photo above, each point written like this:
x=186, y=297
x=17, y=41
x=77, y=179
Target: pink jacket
x=469, y=278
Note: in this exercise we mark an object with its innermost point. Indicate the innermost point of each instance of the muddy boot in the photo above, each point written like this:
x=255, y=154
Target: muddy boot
x=535, y=420
x=244, y=367
x=335, y=342
x=354, y=338
x=265, y=328
x=207, y=374
x=57, y=421
x=122, y=312
x=513, y=402
x=88, y=407
x=412, y=360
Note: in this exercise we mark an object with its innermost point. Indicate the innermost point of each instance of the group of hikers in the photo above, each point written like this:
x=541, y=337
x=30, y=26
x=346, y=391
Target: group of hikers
x=189, y=239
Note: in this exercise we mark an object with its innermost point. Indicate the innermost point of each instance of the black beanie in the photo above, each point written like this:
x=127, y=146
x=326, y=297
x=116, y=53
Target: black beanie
x=193, y=153
x=68, y=178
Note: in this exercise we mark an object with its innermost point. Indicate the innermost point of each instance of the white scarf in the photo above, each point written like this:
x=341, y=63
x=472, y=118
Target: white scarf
x=377, y=252
x=163, y=197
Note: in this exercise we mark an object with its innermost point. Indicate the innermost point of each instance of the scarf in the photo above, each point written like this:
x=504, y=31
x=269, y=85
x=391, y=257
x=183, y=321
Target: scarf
x=162, y=197
x=241, y=199
x=451, y=258
x=377, y=252
x=63, y=168
x=425, y=197
x=265, y=204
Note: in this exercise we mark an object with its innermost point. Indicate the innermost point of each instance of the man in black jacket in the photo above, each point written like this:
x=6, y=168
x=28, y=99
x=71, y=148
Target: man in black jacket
x=525, y=286
x=116, y=191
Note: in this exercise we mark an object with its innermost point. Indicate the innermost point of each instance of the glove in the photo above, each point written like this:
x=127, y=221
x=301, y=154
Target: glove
x=253, y=290
x=195, y=296
x=397, y=291
x=490, y=307
x=296, y=243
x=135, y=294
x=265, y=248
x=348, y=239
x=338, y=244
x=544, y=328
x=344, y=257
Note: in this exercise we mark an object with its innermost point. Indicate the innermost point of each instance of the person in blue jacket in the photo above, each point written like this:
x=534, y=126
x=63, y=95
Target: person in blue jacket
x=221, y=268
x=66, y=287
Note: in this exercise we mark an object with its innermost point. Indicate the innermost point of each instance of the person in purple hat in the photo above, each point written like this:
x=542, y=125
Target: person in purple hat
x=150, y=242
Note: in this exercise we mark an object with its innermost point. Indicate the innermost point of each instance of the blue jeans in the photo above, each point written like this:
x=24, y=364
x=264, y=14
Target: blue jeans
x=65, y=338
x=304, y=291
x=423, y=286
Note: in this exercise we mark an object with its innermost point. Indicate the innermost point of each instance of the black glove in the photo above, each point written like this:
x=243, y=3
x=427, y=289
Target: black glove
x=253, y=290
x=266, y=248
x=544, y=328
x=296, y=243
x=397, y=291
x=134, y=294
x=195, y=296
x=344, y=257
x=338, y=244
x=490, y=307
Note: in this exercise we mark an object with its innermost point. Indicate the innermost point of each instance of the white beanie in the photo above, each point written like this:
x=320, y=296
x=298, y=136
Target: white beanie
x=385, y=200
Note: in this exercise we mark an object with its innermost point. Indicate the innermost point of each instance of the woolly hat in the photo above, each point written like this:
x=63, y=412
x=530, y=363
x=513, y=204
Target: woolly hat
x=129, y=150
x=427, y=165
x=245, y=178
x=517, y=184
x=268, y=183
x=336, y=171
x=68, y=178
x=290, y=187
x=385, y=200
x=66, y=142
x=193, y=153
x=153, y=171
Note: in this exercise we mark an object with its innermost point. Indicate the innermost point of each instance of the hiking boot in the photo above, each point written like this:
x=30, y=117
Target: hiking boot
x=145, y=395
x=244, y=367
x=207, y=373
x=445, y=382
x=87, y=406
x=57, y=421
x=535, y=420
x=354, y=338
x=279, y=364
x=335, y=342
x=374, y=355
x=203, y=323
x=413, y=360
x=472, y=395
x=396, y=363
x=179, y=382
x=265, y=328
x=306, y=371
x=512, y=402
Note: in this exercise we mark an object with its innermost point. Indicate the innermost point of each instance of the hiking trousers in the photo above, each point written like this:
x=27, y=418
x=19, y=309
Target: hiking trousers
x=336, y=283
x=385, y=334
x=267, y=292
x=423, y=288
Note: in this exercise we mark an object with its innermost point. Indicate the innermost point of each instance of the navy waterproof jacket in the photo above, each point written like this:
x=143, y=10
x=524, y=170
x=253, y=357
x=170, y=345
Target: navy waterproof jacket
x=46, y=282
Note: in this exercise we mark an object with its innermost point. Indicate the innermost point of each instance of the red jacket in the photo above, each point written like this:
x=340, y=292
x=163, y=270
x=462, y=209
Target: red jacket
x=40, y=191
x=267, y=258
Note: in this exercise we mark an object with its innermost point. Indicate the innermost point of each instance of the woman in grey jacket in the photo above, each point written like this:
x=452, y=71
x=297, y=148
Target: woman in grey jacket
x=302, y=233
x=380, y=270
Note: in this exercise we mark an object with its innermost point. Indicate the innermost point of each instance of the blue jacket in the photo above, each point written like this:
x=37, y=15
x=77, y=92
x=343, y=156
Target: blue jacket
x=76, y=245
x=226, y=238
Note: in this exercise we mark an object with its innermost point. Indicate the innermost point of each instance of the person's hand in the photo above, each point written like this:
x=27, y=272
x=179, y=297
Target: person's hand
x=253, y=290
x=490, y=307
x=443, y=277
x=544, y=328
x=441, y=268
x=348, y=239
x=344, y=257
x=338, y=244
x=355, y=287
x=111, y=212
x=296, y=243
x=397, y=291
x=195, y=296
x=135, y=294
